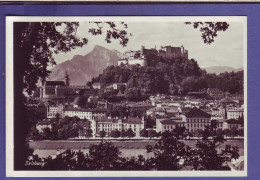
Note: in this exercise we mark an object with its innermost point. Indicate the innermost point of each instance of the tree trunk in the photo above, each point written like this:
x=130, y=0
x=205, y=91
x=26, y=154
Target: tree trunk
x=21, y=124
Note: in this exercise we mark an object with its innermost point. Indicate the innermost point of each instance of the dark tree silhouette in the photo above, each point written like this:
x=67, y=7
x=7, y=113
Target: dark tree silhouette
x=168, y=153
x=88, y=133
x=209, y=30
x=115, y=133
x=34, y=134
x=123, y=133
x=68, y=160
x=152, y=133
x=46, y=133
x=102, y=134
x=209, y=154
x=112, y=33
x=34, y=46
x=103, y=156
x=144, y=133
x=130, y=133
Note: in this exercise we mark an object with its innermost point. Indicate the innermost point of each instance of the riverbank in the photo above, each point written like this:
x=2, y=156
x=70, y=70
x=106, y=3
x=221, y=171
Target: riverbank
x=126, y=144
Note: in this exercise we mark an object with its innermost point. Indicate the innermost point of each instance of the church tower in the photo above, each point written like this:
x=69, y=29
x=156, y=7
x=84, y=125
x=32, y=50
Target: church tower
x=66, y=79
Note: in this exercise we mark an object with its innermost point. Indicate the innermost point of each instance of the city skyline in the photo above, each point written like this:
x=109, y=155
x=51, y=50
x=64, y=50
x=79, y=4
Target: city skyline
x=226, y=49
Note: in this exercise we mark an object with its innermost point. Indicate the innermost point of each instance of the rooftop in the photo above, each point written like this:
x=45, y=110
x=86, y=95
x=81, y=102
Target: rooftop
x=197, y=113
x=235, y=110
x=54, y=83
x=139, y=105
x=84, y=109
x=129, y=120
x=168, y=122
x=233, y=121
x=214, y=90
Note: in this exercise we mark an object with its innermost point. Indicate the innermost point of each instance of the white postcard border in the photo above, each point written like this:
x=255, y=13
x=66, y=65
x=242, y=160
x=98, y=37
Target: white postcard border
x=10, y=100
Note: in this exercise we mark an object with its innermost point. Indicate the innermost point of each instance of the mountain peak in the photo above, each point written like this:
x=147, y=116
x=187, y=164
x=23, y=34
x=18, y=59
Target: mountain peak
x=82, y=68
x=97, y=47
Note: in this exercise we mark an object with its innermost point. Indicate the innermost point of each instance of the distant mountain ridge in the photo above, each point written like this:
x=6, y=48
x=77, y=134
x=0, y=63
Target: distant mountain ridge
x=221, y=69
x=82, y=68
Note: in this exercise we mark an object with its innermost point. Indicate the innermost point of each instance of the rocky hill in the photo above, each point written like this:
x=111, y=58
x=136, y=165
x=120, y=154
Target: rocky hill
x=82, y=68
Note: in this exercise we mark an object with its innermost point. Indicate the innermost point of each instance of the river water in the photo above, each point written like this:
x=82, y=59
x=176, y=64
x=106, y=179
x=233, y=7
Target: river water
x=51, y=148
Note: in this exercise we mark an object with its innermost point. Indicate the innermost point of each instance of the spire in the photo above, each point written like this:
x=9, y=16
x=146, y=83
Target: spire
x=66, y=75
x=66, y=79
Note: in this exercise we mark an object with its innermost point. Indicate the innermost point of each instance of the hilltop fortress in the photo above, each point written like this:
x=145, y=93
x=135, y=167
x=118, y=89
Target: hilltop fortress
x=140, y=56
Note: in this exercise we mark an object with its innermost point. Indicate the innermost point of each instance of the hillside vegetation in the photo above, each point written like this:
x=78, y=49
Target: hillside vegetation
x=174, y=76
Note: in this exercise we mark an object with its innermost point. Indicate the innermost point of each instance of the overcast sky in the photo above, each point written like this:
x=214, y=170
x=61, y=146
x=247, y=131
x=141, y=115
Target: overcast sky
x=227, y=50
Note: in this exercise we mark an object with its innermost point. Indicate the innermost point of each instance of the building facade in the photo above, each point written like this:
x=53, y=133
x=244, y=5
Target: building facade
x=233, y=123
x=169, y=124
x=52, y=111
x=44, y=124
x=197, y=119
x=235, y=113
x=56, y=89
x=215, y=93
x=170, y=52
x=140, y=56
x=109, y=124
x=85, y=113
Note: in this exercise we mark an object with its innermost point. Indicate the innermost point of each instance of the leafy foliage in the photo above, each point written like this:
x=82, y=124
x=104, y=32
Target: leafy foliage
x=130, y=133
x=34, y=47
x=46, y=133
x=169, y=77
x=208, y=154
x=123, y=133
x=164, y=77
x=152, y=133
x=144, y=133
x=34, y=134
x=209, y=30
x=115, y=133
x=87, y=133
x=68, y=127
x=36, y=114
x=112, y=33
x=102, y=134
x=48, y=38
x=117, y=111
x=103, y=156
x=227, y=82
x=169, y=152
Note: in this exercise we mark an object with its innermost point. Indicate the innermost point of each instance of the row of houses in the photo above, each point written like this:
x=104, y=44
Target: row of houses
x=114, y=86
x=193, y=119
x=82, y=113
x=109, y=124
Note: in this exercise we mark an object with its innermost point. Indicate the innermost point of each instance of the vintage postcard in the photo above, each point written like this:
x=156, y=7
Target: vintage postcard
x=110, y=95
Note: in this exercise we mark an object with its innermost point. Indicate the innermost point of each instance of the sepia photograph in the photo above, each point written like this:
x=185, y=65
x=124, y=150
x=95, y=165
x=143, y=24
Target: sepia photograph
x=111, y=95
